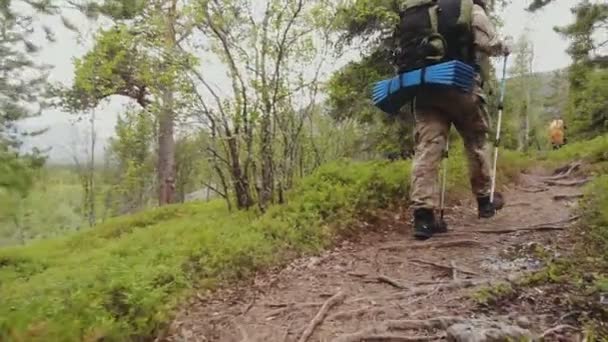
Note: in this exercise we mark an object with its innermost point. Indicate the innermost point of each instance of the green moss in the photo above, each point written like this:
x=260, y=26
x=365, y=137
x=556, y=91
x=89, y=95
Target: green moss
x=490, y=295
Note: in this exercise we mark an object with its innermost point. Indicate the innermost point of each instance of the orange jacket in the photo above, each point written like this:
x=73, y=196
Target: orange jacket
x=556, y=132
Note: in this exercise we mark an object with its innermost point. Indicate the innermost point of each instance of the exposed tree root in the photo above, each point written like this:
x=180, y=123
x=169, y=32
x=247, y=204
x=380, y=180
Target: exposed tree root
x=446, y=244
x=318, y=319
x=556, y=225
x=576, y=182
x=567, y=197
x=520, y=229
x=533, y=190
x=557, y=329
x=518, y=204
x=357, y=274
x=370, y=335
x=352, y=314
x=384, y=329
x=432, y=244
x=426, y=289
x=565, y=171
x=390, y=281
x=287, y=307
x=451, y=268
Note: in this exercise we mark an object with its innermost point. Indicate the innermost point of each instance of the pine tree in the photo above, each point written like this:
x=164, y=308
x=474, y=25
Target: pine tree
x=23, y=89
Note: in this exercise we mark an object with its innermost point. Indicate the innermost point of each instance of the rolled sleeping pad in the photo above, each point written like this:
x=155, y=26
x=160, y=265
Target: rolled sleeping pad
x=391, y=94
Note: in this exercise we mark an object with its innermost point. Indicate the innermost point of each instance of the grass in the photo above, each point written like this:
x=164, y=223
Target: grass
x=586, y=270
x=120, y=280
x=491, y=295
x=594, y=152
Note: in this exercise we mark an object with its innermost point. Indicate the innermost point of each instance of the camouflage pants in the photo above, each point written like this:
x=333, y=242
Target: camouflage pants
x=436, y=110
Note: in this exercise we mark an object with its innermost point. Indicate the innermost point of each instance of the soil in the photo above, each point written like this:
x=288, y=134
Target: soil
x=385, y=275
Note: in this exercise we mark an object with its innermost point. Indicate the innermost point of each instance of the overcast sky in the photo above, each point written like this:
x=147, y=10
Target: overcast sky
x=64, y=136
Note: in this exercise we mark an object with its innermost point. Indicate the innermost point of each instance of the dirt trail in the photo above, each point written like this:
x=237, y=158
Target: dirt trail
x=386, y=275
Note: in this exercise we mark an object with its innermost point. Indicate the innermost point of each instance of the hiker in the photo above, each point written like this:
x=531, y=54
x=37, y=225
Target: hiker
x=471, y=38
x=557, y=133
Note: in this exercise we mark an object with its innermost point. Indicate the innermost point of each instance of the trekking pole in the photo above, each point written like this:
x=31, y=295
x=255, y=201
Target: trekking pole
x=498, y=124
x=444, y=177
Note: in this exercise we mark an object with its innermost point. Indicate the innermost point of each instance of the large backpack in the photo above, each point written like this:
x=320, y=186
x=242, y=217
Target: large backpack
x=433, y=31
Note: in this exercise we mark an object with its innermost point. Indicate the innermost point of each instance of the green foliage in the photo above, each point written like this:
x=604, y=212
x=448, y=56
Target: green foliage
x=130, y=171
x=50, y=208
x=115, y=66
x=365, y=18
x=596, y=216
x=588, y=114
x=23, y=93
x=138, y=266
x=588, y=74
x=592, y=151
x=490, y=295
x=349, y=89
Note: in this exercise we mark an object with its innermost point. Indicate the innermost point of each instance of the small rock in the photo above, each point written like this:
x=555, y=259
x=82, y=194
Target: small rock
x=523, y=322
x=313, y=262
x=486, y=331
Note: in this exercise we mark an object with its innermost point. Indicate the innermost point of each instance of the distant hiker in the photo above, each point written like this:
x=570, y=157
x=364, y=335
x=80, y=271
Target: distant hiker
x=557, y=134
x=433, y=31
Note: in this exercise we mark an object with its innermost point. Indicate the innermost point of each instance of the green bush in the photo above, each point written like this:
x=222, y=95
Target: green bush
x=595, y=212
x=592, y=151
x=120, y=279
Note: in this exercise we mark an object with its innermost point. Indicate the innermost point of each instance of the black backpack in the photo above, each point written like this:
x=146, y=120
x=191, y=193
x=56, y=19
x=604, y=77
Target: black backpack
x=431, y=32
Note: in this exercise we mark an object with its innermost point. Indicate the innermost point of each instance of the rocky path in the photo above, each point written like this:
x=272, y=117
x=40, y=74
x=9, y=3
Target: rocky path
x=385, y=286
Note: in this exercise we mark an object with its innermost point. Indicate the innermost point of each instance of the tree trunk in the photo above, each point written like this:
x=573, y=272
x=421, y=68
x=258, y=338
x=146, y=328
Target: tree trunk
x=166, y=152
x=267, y=190
x=91, y=176
x=240, y=178
x=166, y=142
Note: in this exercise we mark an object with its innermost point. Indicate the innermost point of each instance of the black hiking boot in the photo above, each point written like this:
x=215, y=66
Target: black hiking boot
x=488, y=209
x=425, y=224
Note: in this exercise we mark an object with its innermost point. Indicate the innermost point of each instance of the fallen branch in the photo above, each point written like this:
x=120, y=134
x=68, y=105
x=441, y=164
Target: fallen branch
x=557, y=329
x=331, y=302
x=451, y=268
x=567, y=183
x=567, y=197
x=390, y=281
